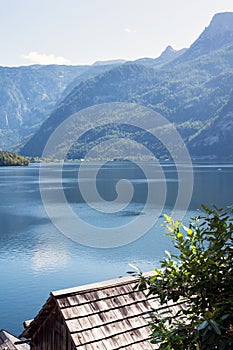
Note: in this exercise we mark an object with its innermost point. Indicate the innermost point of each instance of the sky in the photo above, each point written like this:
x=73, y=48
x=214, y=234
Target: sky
x=85, y=31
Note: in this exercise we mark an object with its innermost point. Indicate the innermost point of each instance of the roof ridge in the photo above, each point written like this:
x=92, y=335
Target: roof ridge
x=97, y=285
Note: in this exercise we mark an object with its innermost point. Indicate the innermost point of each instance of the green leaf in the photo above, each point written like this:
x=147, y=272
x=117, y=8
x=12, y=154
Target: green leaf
x=202, y=326
x=225, y=317
x=168, y=254
x=215, y=327
x=199, y=274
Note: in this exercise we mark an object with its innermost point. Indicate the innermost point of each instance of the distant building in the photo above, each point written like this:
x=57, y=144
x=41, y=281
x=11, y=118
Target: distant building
x=101, y=316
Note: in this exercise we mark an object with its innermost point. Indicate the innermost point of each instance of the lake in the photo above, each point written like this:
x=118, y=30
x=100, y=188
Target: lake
x=35, y=258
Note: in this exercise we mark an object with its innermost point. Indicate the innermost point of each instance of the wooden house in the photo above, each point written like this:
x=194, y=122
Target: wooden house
x=10, y=342
x=101, y=316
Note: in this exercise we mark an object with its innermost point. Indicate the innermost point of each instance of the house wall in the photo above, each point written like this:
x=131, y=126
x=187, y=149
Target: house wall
x=53, y=334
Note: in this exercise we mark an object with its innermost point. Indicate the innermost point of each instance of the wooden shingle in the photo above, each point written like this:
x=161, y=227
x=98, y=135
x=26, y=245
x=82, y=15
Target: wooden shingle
x=8, y=342
x=105, y=316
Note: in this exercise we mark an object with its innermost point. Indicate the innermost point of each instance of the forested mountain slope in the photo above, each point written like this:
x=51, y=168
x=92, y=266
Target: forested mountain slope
x=191, y=92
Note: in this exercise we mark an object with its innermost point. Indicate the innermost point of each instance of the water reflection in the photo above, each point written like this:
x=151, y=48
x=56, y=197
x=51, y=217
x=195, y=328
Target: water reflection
x=35, y=258
x=49, y=257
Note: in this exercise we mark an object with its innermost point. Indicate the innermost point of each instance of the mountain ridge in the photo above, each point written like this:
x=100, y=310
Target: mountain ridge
x=189, y=91
x=218, y=34
x=28, y=95
x=168, y=55
x=189, y=87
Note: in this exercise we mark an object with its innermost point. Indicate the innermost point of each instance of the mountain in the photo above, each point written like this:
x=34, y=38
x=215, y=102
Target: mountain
x=168, y=55
x=28, y=95
x=193, y=91
x=189, y=97
x=108, y=62
x=215, y=141
x=89, y=73
x=218, y=34
x=115, y=85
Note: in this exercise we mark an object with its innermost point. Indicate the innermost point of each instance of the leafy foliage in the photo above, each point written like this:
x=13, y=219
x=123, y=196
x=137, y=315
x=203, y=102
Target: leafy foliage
x=200, y=275
x=9, y=158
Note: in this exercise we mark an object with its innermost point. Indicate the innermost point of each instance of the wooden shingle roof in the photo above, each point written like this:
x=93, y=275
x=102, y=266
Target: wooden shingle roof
x=104, y=316
x=7, y=342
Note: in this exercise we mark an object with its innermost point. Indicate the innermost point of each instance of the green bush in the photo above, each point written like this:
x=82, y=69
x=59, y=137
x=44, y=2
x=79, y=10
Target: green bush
x=9, y=158
x=201, y=276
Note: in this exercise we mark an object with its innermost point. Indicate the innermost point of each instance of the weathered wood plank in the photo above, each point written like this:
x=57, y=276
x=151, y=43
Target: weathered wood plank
x=102, y=316
x=108, y=293
x=112, y=331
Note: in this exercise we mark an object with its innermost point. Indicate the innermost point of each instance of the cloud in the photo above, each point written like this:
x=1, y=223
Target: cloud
x=130, y=30
x=41, y=58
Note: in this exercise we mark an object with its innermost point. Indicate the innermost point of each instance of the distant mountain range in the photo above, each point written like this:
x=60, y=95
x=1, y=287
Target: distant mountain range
x=168, y=55
x=192, y=88
x=30, y=93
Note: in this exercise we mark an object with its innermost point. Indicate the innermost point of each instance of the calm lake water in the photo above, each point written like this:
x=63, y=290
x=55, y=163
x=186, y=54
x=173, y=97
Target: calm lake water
x=35, y=258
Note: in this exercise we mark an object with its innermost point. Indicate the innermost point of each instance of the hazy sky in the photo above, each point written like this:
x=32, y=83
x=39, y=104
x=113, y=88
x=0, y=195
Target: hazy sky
x=85, y=31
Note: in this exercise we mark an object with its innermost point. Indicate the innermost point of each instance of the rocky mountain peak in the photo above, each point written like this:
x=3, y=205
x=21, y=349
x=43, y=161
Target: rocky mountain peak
x=221, y=23
x=168, y=51
x=218, y=34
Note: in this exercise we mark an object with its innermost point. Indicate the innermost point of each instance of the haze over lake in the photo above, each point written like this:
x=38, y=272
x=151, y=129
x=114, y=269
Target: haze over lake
x=35, y=258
